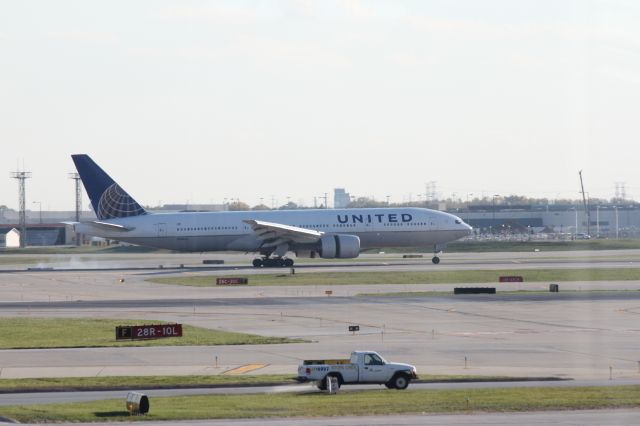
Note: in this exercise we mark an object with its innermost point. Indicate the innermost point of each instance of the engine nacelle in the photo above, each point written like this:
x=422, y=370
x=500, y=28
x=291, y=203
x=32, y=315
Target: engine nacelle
x=339, y=246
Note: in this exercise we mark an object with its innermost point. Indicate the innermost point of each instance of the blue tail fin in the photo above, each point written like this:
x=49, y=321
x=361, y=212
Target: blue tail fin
x=108, y=199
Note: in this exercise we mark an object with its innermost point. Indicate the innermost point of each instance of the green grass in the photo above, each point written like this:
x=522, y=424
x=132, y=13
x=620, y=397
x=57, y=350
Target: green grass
x=503, y=293
x=31, y=333
x=458, y=246
x=12, y=260
x=148, y=382
x=413, y=277
x=511, y=246
x=522, y=246
x=139, y=382
x=356, y=403
x=71, y=250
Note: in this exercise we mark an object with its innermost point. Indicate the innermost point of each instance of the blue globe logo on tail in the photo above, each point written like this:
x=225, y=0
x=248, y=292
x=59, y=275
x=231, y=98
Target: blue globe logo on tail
x=115, y=203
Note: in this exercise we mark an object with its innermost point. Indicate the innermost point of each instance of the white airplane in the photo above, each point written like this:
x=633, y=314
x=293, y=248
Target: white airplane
x=274, y=235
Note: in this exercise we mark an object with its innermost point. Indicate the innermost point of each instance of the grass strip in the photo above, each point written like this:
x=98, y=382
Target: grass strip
x=356, y=403
x=41, y=333
x=139, y=382
x=158, y=382
x=522, y=246
x=503, y=293
x=415, y=277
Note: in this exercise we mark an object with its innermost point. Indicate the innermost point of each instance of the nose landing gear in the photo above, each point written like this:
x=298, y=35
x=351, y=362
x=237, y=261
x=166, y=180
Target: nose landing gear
x=437, y=249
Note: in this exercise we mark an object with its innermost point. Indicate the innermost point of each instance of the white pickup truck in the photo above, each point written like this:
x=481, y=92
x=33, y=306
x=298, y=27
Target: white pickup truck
x=364, y=367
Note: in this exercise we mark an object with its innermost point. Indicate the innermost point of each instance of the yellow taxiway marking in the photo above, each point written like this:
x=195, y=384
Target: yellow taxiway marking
x=244, y=369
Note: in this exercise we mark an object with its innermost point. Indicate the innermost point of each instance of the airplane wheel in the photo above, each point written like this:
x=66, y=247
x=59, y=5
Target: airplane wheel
x=273, y=263
x=257, y=263
x=435, y=260
x=288, y=263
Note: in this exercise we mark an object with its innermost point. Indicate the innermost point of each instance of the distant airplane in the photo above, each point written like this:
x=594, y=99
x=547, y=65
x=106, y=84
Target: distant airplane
x=329, y=234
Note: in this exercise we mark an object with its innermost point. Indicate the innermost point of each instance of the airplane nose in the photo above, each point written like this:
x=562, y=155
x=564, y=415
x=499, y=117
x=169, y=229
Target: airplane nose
x=465, y=230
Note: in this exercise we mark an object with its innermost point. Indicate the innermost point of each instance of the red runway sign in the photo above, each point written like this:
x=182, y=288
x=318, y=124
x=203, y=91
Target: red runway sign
x=231, y=281
x=511, y=279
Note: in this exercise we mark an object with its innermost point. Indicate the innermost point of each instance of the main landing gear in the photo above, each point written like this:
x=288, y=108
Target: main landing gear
x=435, y=260
x=273, y=262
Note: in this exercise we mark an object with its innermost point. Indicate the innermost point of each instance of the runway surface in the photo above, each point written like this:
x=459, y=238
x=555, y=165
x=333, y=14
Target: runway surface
x=194, y=261
x=576, y=334
x=626, y=417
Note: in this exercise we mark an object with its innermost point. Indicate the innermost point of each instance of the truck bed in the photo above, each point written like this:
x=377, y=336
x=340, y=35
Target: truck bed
x=325, y=361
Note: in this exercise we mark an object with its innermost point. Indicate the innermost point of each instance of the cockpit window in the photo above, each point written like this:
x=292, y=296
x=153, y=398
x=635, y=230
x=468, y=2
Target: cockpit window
x=458, y=221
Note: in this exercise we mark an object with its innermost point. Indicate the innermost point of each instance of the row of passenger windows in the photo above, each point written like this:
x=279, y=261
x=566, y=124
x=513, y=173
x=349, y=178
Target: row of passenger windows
x=207, y=228
x=339, y=225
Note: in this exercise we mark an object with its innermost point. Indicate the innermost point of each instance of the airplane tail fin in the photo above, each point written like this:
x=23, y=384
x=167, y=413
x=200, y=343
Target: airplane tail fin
x=108, y=199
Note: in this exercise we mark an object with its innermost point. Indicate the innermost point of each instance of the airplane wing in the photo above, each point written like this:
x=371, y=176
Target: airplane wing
x=274, y=234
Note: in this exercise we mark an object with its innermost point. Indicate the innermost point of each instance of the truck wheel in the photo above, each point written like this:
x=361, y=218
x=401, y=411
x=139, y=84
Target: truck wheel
x=400, y=381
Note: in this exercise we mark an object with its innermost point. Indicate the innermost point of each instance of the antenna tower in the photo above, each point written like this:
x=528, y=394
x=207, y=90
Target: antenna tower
x=22, y=177
x=76, y=178
x=430, y=190
x=621, y=192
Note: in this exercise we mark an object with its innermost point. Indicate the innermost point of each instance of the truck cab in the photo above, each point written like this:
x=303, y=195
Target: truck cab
x=363, y=367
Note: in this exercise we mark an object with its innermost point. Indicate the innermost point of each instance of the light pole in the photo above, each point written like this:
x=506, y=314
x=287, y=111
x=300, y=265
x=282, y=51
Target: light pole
x=617, y=229
x=598, y=221
x=40, y=205
x=575, y=232
x=468, y=205
x=493, y=208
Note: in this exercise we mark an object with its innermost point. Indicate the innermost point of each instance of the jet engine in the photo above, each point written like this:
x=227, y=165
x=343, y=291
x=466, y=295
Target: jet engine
x=339, y=246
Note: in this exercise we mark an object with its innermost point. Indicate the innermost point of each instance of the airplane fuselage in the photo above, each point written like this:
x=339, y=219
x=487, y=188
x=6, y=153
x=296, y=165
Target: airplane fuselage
x=222, y=231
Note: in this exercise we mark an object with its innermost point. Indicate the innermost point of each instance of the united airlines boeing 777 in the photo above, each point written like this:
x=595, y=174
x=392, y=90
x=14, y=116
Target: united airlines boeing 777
x=273, y=234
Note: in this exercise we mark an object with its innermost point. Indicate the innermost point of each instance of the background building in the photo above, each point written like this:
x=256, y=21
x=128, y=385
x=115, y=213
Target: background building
x=341, y=198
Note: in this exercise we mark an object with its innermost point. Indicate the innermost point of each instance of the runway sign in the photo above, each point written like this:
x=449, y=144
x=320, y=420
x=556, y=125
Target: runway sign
x=354, y=328
x=474, y=290
x=145, y=332
x=511, y=279
x=232, y=281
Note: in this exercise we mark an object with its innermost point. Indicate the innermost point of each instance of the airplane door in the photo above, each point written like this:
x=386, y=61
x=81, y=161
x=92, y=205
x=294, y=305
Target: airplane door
x=161, y=230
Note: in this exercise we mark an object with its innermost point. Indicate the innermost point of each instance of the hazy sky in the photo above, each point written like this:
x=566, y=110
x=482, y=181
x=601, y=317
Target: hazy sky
x=201, y=101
